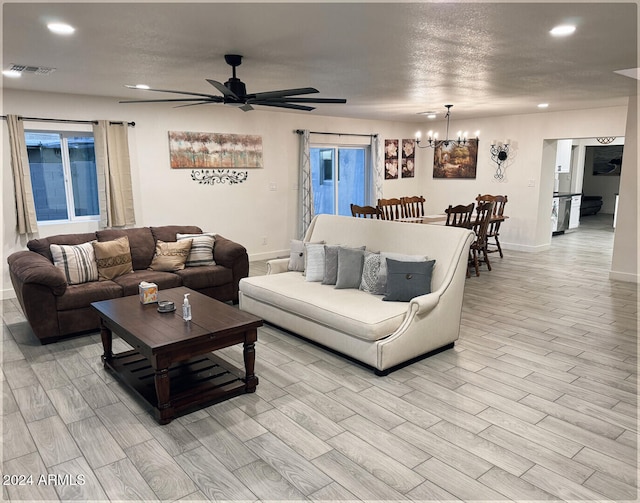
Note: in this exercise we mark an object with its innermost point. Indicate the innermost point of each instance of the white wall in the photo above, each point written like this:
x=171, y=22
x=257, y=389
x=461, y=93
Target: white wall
x=249, y=211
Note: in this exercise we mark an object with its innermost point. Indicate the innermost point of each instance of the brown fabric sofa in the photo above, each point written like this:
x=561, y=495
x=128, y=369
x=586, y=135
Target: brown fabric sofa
x=55, y=309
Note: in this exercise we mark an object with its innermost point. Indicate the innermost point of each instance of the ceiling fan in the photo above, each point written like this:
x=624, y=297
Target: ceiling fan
x=234, y=93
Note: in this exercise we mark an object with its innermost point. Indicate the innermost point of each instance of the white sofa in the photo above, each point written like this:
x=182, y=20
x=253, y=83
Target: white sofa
x=381, y=334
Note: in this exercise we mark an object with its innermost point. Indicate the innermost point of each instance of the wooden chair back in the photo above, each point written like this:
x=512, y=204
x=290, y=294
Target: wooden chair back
x=391, y=208
x=413, y=207
x=460, y=215
x=494, y=226
x=365, y=211
x=478, y=251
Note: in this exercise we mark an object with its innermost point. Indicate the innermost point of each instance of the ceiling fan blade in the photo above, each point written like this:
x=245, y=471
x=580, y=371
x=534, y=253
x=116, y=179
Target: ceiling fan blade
x=204, y=102
x=223, y=89
x=174, y=92
x=306, y=100
x=282, y=93
x=212, y=99
x=283, y=105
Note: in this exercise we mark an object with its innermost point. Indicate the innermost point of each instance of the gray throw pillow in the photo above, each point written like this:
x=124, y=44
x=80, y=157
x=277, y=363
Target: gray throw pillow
x=330, y=264
x=350, y=263
x=381, y=286
x=406, y=280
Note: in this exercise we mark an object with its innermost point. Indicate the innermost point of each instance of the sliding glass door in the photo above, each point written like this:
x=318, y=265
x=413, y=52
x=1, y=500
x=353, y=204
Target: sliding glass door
x=340, y=176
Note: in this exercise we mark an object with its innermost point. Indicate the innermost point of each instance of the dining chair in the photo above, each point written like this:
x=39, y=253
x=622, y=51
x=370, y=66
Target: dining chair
x=478, y=251
x=496, y=220
x=413, y=207
x=365, y=211
x=460, y=215
x=391, y=208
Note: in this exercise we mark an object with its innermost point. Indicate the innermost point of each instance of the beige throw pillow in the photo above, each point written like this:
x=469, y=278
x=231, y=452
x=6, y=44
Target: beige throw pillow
x=113, y=258
x=77, y=262
x=171, y=256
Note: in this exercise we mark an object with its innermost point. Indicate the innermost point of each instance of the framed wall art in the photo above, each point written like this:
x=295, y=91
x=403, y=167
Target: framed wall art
x=390, y=159
x=408, y=158
x=192, y=150
x=455, y=161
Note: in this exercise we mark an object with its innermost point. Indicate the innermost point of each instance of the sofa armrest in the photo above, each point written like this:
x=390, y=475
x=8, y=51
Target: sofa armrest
x=425, y=303
x=234, y=256
x=30, y=267
x=277, y=265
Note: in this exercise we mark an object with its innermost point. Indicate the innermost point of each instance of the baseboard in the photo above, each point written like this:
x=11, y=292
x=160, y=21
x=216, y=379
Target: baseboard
x=268, y=255
x=525, y=248
x=627, y=277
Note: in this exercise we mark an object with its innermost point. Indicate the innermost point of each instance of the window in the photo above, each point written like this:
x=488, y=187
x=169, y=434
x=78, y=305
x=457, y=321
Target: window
x=63, y=175
x=340, y=176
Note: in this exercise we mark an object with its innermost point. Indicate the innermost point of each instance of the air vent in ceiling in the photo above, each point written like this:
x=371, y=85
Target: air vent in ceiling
x=36, y=70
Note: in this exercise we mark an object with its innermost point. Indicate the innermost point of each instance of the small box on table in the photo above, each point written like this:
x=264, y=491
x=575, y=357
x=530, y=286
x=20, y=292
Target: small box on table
x=148, y=292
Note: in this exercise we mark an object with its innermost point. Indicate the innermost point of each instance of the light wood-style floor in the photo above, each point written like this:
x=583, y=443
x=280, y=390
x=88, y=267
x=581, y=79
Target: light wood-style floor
x=537, y=401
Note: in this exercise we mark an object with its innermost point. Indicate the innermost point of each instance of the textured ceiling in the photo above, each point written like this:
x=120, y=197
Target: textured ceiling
x=389, y=60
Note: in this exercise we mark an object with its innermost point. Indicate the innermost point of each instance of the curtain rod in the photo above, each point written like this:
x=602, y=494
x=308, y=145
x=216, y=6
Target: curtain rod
x=68, y=121
x=300, y=131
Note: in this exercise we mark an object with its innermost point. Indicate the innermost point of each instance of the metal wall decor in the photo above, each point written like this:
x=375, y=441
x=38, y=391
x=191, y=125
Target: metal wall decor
x=222, y=176
x=605, y=140
x=499, y=155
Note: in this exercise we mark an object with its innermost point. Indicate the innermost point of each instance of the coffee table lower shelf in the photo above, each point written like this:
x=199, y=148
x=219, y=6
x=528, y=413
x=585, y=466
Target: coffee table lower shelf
x=195, y=383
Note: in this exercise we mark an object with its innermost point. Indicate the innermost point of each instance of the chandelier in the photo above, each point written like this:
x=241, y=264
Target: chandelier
x=432, y=138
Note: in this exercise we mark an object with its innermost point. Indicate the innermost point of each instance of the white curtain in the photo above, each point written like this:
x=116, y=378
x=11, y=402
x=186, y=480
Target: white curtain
x=306, y=188
x=27, y=222
x=114, y=174
x=377, y=169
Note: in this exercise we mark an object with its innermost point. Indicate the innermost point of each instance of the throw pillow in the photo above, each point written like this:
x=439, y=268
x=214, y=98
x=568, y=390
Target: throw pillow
x=296, y=256
x=350, y=261
x=170, y=256
x=314, y=261
x=381, y=287
x=330, y=264
x=406, y=280
x=113, y=258
x=370, y=273
x=77, y=262
x=201, y=253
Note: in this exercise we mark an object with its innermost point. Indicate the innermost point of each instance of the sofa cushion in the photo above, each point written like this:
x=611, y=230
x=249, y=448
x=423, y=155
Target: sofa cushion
x=79, y=296
x=406, y=280
x=201, y=253
x=77, y=262
x=198, y=278
x=141, y=243
x=172, y=256
x=168, y=233
x=113, y=258
x=43, y=245
x=349, y=310
x=164, y=280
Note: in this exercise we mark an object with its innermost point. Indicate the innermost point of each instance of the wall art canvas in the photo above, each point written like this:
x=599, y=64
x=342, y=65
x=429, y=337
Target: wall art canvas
x=453, y=161
x=606, y=160
x=192, y=150
x=408, y=158
x=390, y=159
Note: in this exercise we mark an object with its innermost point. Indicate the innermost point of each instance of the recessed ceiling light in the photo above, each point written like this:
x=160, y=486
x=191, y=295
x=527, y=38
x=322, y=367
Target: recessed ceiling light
x=543, y=105
x=142, y=86
x=430, y=115
x=12, y=73
x=61, y=28
x=563, y=30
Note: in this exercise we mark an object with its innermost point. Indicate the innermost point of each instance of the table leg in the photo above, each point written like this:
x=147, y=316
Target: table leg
x=107, y=339
x=163, y=392
x=249, y=352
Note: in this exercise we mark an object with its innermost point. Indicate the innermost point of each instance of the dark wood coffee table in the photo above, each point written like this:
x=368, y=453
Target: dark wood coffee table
x=171, y=366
